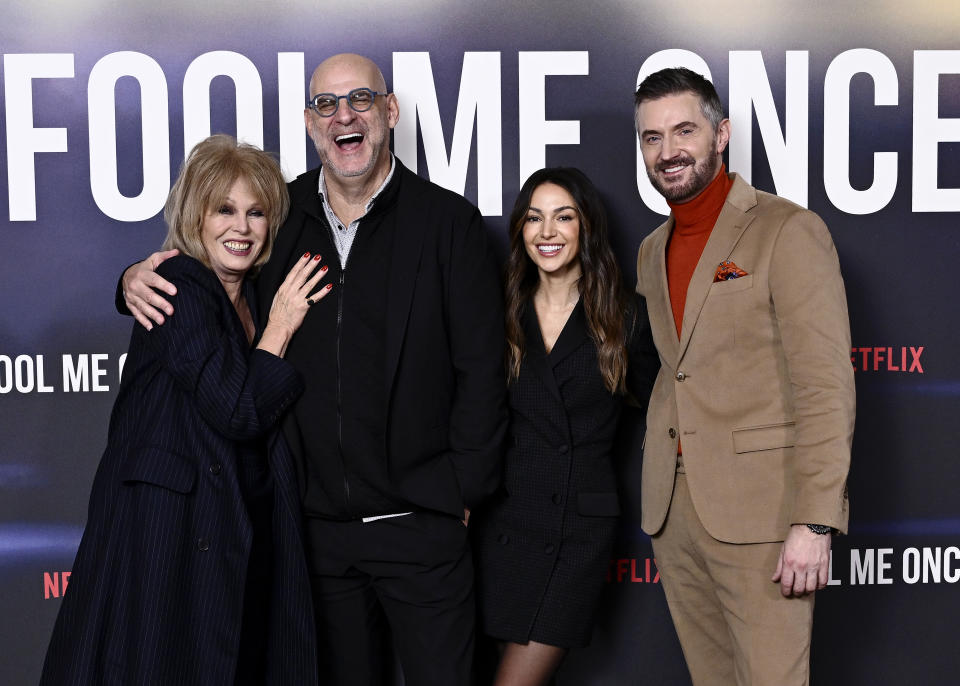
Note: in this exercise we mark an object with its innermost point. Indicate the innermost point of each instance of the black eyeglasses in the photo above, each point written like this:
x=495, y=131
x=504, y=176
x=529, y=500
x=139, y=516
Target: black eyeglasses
x=327, y=104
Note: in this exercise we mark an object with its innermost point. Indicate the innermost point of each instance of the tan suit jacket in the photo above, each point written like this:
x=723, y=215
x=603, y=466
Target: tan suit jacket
x=759, y=386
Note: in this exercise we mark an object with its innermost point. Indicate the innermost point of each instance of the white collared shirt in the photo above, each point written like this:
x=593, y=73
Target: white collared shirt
x=343, y=236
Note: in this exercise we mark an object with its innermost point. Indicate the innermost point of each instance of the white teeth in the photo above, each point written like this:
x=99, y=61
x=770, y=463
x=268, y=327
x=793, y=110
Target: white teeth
x=549, y=249
x=348, y=137
x=237, y=245
x=671, y=170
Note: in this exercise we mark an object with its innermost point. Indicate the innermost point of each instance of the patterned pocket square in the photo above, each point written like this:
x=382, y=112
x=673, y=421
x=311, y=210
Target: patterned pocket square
x=728, y=270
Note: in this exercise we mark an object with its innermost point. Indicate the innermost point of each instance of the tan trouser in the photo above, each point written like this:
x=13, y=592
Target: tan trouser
x=734, y=625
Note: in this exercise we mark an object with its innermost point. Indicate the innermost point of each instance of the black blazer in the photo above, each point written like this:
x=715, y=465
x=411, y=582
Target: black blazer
x=559, y=499
x=156, y=594
x=444, y=374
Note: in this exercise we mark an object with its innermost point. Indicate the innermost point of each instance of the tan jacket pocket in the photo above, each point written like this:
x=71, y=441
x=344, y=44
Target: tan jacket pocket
x=731, y=285
x=767, y=437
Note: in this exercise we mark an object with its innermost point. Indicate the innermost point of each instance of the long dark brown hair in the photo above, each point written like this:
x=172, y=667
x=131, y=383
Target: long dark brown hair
x=600, y=285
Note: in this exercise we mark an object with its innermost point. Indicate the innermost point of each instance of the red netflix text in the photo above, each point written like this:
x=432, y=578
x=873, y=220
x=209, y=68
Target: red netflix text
x=55, y=584
x=633, y=570
x=902, y=359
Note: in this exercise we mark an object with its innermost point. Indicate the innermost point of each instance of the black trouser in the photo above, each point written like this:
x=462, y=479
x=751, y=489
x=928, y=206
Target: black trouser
x=410, y=577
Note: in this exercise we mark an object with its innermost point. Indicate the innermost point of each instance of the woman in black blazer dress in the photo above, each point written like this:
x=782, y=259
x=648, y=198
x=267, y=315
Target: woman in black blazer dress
x=191, y=567
x=577, y=342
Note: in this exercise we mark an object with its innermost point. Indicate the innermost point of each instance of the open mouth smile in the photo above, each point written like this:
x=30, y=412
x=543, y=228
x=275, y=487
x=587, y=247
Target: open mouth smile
x=674, y=169
x=239, y=248
x=349, y=141
x=549, y=249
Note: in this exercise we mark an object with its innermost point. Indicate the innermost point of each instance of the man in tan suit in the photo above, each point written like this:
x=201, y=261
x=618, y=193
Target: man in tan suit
x=751, y=418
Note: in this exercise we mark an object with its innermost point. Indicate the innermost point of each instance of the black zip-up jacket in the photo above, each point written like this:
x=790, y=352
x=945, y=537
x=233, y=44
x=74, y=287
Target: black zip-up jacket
x=405, y=400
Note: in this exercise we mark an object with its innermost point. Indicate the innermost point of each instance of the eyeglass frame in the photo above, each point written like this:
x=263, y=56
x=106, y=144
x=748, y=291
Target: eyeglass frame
x=312, y=102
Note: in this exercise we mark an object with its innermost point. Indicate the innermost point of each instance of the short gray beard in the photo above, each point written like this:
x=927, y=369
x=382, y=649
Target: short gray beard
x=703, y=174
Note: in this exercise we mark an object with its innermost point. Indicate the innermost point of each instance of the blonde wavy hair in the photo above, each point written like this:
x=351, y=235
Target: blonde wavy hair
x=205, y=180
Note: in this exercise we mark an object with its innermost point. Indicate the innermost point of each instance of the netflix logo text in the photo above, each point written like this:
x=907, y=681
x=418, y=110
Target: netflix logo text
x=887, y=359
x=633, y=570
x=55, y=584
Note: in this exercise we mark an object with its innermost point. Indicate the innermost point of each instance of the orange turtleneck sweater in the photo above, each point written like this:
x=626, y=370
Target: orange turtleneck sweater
x=693, y=222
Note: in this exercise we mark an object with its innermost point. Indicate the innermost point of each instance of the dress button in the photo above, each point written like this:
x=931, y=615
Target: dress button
x=503, y=539
x=556, y=498
x=203, y=545
x=548, y=549
x=672, y=432
x=563, y=449
x=216, y=468
x=681, y=376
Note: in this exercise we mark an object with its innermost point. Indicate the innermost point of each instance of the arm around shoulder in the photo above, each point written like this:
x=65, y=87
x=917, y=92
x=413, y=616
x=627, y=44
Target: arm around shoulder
x=140, y=290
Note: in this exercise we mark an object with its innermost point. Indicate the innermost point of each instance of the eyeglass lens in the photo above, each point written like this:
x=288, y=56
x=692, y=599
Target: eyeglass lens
x=360, y=100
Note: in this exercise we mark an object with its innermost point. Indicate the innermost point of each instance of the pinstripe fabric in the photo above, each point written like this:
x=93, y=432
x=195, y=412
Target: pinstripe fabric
x=157, y=587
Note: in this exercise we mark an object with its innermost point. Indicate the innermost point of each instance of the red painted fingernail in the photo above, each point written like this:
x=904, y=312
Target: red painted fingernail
x=316, y=258
x=306, y=254
x=329, y=286
x=323, y=268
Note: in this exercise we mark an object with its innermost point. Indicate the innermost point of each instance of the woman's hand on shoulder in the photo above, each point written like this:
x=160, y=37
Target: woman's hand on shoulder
x=293, y=299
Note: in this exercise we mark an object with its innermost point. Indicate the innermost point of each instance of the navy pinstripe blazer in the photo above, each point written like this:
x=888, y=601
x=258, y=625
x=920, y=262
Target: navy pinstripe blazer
x=156, y=594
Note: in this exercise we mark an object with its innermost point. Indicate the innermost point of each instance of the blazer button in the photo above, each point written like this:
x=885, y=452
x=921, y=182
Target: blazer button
x=681, y=376
x=672, y=432
x=548, y=549
x=203, y=545
x=216, y=468
x=556, y=498
x=563, y=449
x=503, y=539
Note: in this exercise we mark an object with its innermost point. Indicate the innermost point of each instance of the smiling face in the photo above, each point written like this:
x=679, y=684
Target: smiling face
x=234, y=232
x=350, y=143
x=551, y=231
x=681, y=150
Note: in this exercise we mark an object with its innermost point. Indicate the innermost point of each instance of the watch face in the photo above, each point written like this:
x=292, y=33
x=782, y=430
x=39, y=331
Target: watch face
x=819, y=529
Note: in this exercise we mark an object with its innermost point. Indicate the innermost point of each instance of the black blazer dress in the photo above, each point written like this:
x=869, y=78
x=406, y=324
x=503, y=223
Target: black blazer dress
x=544, y=544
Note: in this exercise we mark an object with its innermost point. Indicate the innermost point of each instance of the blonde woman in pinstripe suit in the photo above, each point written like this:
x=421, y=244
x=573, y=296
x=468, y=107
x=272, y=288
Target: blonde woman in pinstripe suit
x=191, y=567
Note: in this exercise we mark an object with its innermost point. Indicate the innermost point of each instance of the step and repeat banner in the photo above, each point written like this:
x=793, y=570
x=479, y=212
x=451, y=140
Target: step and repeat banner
x=849, y=108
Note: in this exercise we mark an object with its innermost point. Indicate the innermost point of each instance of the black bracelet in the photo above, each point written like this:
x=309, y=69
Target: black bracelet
x=820, y=529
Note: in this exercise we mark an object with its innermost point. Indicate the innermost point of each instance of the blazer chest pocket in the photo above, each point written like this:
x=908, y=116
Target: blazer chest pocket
x=731, y=285
x=160, y=468
x=766, y=437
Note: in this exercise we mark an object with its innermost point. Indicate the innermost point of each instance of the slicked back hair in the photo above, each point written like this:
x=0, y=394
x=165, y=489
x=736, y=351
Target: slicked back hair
x=678, y=80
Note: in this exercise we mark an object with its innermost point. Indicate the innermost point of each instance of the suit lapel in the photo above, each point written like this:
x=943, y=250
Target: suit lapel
x=405, y=263
x=572, y=335
x=535, y=353
x=658, y=299
x=733, y=220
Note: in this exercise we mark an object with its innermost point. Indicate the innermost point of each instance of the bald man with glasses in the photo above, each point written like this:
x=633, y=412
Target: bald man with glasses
x=399, y=432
